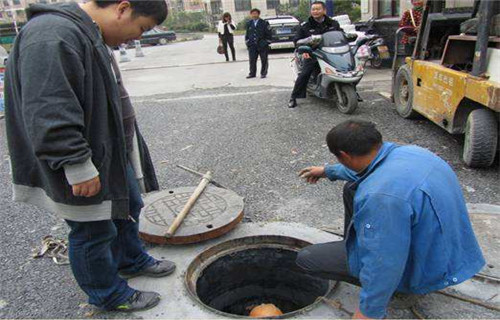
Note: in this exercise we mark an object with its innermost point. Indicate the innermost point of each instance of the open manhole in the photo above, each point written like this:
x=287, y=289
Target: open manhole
x=233, y=277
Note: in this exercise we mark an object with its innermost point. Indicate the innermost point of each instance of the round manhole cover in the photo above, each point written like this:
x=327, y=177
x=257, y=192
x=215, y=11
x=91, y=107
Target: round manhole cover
x=215, y=213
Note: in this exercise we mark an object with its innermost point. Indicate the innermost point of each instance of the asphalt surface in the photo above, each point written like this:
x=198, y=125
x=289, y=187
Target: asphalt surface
x=255, y=146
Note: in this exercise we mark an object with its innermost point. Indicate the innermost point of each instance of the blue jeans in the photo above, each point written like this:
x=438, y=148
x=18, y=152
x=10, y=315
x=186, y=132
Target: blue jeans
x=99, y=249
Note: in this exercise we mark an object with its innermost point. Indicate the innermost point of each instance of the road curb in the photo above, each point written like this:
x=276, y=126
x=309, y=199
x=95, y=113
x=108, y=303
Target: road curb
x=193, y=64
x=485, y=208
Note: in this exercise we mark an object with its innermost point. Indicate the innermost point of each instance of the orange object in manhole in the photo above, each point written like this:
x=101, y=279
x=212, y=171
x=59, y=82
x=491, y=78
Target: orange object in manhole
x=265, y=310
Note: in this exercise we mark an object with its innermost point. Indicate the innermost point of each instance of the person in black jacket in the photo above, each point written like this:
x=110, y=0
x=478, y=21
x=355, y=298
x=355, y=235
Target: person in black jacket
x=74, y=143
x=257, y=39
x=226, y=29
x=318, y=23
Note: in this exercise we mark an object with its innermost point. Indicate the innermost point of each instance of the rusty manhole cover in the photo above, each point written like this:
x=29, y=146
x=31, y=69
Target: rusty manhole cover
x=216, y=212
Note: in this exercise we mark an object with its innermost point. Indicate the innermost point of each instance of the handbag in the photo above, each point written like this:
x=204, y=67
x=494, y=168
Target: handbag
x=220, y=48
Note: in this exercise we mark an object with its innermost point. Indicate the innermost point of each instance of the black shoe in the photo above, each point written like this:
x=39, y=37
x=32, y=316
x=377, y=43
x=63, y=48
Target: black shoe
x=250, y=76
x=161, y=268
x=263, y=76
x=139, y=301
x=292, y=103
x=359, y=97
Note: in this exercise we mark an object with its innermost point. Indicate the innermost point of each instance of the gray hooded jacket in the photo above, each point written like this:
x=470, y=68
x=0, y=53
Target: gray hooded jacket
x=64, y=118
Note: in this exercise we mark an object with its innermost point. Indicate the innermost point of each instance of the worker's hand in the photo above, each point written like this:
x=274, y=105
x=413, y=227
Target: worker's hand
x=88, y=188
x=312, y=174
x=306, y=55
x=359, y=315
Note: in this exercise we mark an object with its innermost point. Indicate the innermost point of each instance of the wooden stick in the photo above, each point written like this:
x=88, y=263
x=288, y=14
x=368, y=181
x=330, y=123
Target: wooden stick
x=189, y=205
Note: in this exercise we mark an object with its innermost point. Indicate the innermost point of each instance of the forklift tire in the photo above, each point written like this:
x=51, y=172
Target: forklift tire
x=403, y=93
x=481, y=139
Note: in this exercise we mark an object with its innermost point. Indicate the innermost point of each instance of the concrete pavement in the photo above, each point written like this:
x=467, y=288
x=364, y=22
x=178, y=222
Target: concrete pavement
x=195, y=65
x=195, y=110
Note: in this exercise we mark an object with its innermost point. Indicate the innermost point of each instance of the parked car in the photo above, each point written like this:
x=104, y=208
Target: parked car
x=283, y=29
x=156, y=36
x=3, y=56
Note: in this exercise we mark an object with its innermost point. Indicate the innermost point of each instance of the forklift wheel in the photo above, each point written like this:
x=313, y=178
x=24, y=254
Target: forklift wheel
x=481, y=138
x=403, y=93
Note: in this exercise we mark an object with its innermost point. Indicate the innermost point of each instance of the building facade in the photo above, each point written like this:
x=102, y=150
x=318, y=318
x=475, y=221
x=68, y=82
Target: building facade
x=11, y=10
x=395, y=8
x=239, y=9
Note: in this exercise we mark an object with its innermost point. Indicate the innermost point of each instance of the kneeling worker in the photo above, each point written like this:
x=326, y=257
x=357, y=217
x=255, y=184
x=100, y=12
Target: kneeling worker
x=406, y=224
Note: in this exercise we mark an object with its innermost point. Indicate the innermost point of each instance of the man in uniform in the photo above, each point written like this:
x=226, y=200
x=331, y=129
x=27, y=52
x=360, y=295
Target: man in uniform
x=317, y=24
x=257, y=38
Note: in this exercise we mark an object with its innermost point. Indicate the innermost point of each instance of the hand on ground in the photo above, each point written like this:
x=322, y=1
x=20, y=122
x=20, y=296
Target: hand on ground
x=312, y=174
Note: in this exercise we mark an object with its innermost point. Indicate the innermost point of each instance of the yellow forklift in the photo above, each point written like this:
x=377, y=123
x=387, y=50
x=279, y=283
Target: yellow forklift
x=453, y=77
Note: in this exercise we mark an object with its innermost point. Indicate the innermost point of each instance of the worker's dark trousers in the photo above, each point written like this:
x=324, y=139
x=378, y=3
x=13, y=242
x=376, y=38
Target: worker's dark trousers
x=98, y=249
x=228, y=40
x=329, y=260
x=300, y=88
x=254, y=52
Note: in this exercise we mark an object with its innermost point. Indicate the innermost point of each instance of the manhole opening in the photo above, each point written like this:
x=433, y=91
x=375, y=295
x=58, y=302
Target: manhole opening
x=251, y=274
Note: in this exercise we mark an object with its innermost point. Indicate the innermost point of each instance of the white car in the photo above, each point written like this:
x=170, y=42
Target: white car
x=284, y=29
x=3, y=56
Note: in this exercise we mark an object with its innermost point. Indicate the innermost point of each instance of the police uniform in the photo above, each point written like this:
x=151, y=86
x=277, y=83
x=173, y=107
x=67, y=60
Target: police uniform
x=257, y=38
x=307, y=29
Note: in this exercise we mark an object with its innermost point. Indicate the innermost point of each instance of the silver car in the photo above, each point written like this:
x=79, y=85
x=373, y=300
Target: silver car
x=3, y=56
x=284, y=29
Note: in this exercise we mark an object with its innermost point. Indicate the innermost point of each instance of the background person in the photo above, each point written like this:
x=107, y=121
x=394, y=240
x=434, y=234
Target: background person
x=225, y=29
x=411, y=18
x=406, y=226
x=318, y=23
x=74, y=143
x=257, y=38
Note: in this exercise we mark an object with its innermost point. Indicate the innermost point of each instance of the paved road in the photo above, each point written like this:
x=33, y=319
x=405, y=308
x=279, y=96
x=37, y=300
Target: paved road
x=195, y=65
x=255, y=146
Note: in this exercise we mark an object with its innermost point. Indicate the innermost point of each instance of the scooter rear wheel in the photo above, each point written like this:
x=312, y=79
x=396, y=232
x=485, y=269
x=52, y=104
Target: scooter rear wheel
x=348, y=101
x=376, y=60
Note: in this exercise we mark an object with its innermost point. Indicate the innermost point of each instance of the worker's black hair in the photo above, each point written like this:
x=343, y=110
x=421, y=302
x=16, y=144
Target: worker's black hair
x=156, y=9
x=255, y=10
x=355, y=137
x=323, y=4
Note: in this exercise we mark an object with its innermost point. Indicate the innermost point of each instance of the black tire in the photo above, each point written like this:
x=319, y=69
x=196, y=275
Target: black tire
x=376, y=60
x=403, y=93
x=481, y=139
x=348, y=102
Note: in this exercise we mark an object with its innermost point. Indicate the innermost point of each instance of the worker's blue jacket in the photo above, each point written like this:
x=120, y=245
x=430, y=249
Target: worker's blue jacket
x=410, y=231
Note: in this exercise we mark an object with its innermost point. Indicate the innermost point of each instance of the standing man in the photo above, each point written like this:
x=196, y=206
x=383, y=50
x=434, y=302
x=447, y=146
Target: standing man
x=257, y=37
x=318, y=23
x=74, y=143
x=406, y=224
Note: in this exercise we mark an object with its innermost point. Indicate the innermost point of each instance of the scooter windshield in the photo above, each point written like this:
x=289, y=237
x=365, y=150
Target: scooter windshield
x=336, y=51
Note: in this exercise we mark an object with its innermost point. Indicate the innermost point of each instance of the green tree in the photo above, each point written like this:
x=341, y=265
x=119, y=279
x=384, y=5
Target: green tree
x=187, y=21
x=350, y=7
x=301, y=12
x=242, y=25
